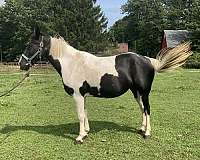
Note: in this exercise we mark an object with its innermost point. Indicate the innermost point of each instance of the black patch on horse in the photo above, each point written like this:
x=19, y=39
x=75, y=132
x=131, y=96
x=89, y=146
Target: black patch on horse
x=111, y=86
x=134, y=72
x=56, y=64
x=69, y=90
x=86, y=88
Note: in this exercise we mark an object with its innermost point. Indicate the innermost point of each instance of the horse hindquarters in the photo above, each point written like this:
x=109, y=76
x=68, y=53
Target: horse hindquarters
x=142, y=74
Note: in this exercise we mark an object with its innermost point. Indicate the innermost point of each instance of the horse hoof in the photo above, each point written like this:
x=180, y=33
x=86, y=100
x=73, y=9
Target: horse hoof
x=86, y=136
x=146, y=136
x=141, y=132
x=78, y=142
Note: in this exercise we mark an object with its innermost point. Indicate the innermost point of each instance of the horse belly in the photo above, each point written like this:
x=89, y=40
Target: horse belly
x=112, y=86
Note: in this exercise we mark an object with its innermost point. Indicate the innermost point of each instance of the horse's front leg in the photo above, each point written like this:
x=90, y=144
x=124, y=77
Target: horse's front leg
x=81, y=116
x=87, y=127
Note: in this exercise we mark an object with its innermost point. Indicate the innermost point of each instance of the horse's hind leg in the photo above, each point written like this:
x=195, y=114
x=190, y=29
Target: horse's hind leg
x=143, y=101
x=138, y=98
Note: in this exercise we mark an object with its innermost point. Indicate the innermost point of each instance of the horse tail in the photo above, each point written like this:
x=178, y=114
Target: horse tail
x=169, y=59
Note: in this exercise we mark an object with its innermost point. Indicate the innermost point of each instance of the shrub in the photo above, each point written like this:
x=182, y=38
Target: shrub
x=193, y=61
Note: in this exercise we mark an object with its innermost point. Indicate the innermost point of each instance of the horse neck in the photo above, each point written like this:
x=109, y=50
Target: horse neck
x=59, y=49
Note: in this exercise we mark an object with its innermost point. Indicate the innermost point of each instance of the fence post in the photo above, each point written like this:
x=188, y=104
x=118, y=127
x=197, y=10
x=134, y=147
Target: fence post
x=1, y=53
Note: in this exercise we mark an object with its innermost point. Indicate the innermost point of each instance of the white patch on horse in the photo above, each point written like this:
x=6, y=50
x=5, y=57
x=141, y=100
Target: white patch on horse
x=155, y=63
x=78, y=66
x=81, y=116
x=144, y=120
x=148, y=126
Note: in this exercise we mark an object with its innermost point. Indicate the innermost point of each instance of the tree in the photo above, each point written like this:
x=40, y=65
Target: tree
x=142, y=27
x=11, y=22
x=86, y=25
x=194, y=24
x=81, y=22
x=146, y=19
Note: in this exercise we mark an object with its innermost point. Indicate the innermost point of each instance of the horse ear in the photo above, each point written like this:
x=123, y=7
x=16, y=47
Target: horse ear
x=36, y=33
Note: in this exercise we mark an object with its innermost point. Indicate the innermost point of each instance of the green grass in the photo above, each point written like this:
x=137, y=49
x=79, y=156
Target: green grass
x=38, y=121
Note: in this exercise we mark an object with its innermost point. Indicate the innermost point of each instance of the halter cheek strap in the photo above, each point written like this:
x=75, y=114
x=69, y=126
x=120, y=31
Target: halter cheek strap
x=33, y=56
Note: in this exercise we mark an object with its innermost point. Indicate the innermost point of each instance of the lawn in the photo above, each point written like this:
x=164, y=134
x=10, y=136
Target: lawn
x=38, y=121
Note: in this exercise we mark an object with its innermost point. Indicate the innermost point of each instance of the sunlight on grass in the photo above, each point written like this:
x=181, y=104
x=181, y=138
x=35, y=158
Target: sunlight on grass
x=38, y=121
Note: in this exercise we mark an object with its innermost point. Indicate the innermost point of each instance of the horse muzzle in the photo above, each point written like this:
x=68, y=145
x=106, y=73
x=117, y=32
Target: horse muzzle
x=25, y=67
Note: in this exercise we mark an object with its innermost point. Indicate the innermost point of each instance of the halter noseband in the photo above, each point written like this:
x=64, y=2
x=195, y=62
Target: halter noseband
x=33, y=56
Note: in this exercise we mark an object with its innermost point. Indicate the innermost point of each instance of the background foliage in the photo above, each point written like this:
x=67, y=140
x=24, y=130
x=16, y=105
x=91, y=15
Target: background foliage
x=143, y=26
x=83, y=24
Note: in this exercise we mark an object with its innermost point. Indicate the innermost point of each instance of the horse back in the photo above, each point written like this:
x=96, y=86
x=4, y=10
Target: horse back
x=110, y=76
x=134, y=72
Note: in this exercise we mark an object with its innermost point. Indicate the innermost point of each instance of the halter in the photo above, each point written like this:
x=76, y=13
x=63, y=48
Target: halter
x=33, y=56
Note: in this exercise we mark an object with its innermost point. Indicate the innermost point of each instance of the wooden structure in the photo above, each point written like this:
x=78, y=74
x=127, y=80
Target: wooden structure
x=123, y=47
x=171, y=38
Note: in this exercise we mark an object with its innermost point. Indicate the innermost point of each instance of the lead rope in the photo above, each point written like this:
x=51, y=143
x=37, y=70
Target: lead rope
x=16, y=85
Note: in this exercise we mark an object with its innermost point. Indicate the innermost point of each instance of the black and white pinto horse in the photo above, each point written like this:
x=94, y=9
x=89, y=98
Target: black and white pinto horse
x=84, y=74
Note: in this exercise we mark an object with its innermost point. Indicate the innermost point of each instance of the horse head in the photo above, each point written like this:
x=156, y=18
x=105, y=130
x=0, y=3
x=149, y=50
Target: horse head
x=34, y=47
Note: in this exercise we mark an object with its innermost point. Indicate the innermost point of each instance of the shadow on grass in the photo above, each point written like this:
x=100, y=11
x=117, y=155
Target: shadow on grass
x=68, y=130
